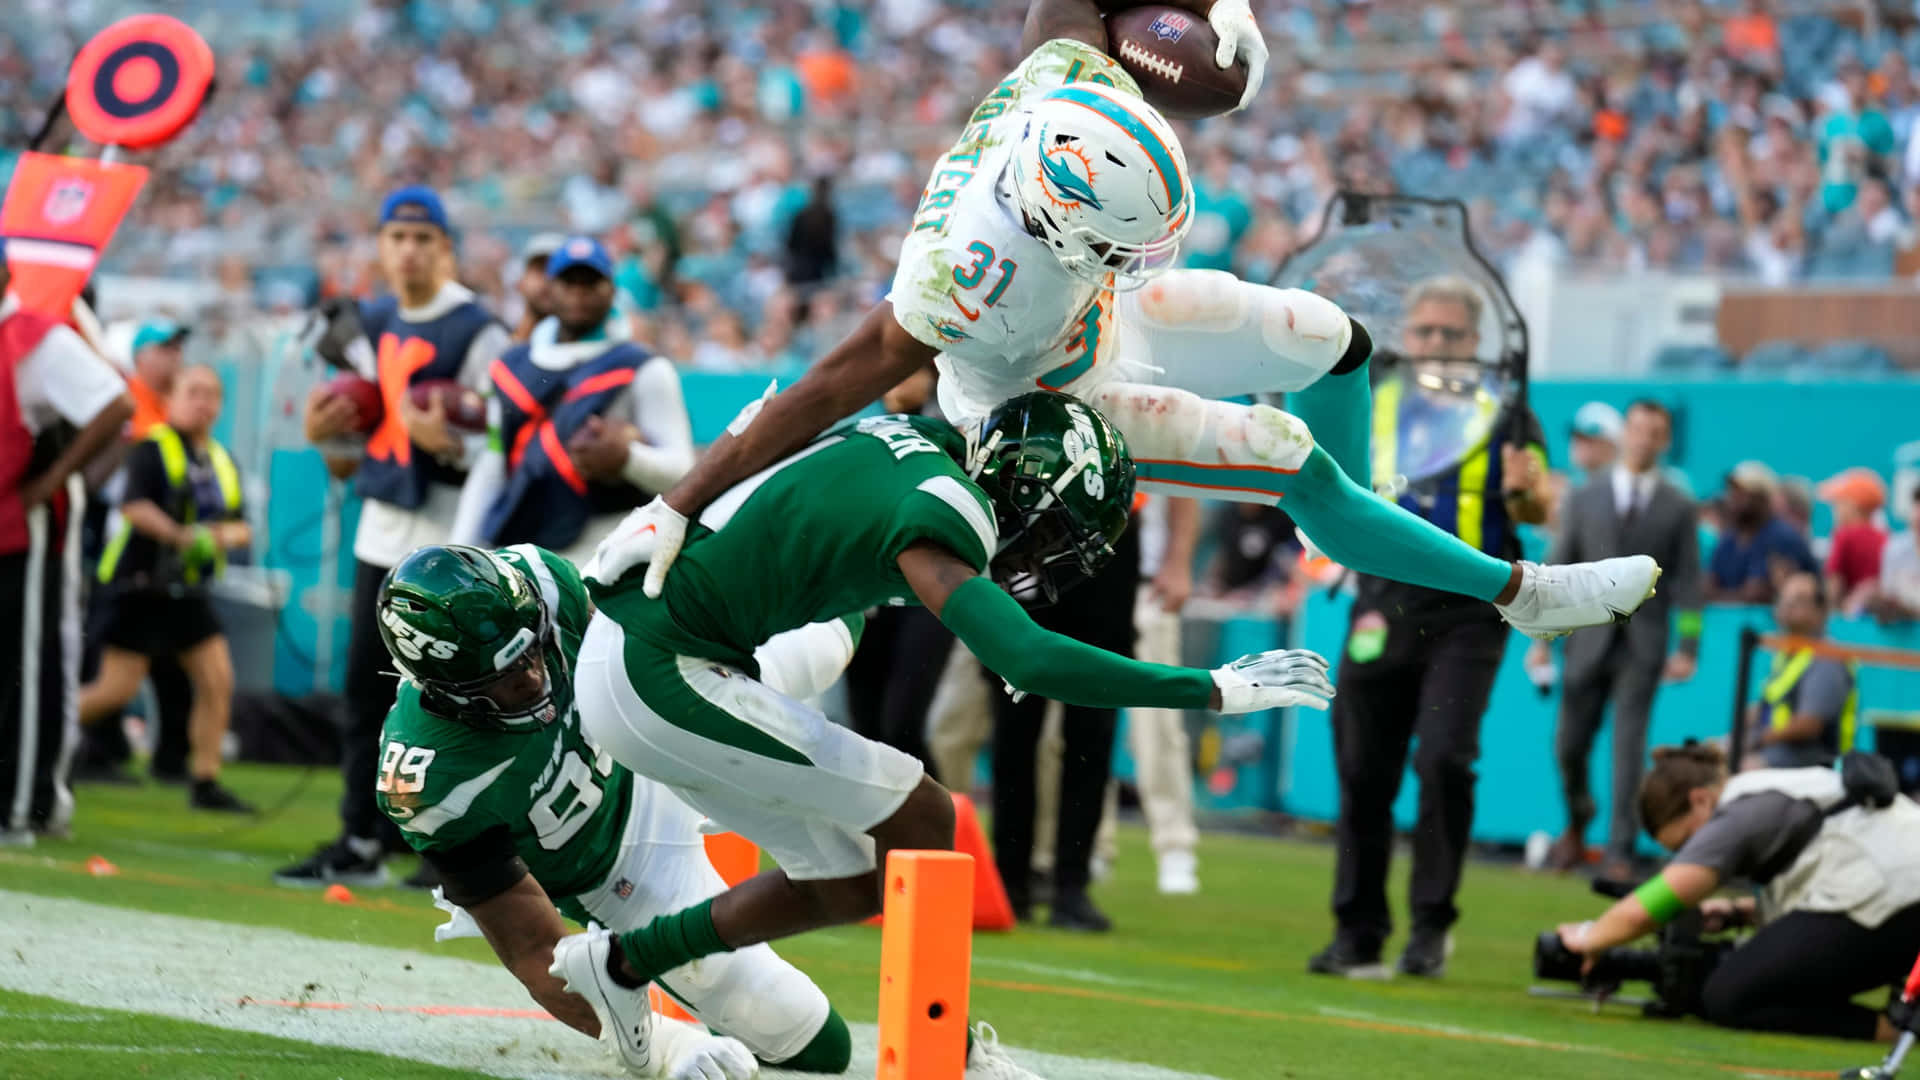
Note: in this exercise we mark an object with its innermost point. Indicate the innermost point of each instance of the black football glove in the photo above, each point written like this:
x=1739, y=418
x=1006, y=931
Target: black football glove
x=334, y=333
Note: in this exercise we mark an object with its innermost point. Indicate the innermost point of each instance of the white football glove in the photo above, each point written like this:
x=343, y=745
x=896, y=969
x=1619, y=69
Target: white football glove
x=687, y=1052
x=1232, y=22
x=652, y=535
x=1274, y=680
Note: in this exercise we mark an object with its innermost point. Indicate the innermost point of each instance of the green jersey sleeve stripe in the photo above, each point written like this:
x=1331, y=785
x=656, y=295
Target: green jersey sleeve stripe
x=457, y=803
x=967, y=505
x=543, y=577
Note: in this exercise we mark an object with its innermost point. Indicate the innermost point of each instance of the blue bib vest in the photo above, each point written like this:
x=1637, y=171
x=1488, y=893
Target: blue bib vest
x=393, y=469
x=548, y=500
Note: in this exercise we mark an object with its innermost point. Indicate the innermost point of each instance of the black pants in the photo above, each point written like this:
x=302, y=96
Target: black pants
x=1100, y=613
x=892, y=678
x=1630, y=685
x=34, y=692
x=106, y=743
x=370, y=687
x=1432, y=680
x=1799, y=973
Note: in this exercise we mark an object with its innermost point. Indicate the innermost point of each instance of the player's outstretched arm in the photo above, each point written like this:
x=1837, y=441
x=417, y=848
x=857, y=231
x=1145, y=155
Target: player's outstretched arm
x=522, y=925
x=1005, y=639
x=875, y=357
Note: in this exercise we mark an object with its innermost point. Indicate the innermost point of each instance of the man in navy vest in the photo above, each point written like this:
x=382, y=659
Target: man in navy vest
x=409, y=476
x=584, y=425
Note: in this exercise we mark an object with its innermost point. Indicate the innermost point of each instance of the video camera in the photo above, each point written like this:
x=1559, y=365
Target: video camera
x=1676, y=968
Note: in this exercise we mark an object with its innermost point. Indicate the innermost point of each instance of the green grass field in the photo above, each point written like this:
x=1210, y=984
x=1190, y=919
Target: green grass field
x=1211, y=985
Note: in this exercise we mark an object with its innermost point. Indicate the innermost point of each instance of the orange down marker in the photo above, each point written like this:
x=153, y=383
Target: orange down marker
x=926, y=960
x=736, y=859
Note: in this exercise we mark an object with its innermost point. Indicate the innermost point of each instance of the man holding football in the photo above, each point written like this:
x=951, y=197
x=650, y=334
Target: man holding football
x=1040, y=256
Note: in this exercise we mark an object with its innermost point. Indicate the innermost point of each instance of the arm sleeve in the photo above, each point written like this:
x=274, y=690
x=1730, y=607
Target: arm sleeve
x=485, y=481
x=660, y=412
x=1824, y=689
x=78, y=383
x=997, y=630
x=479, y=869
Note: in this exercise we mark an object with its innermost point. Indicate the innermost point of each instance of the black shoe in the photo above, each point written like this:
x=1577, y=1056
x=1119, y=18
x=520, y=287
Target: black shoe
x=424, y=876
x=1426, y=953
x=211, y=795
x=333, y=863
x=1040, y=885
x=1350, y=957
x=1074, y=910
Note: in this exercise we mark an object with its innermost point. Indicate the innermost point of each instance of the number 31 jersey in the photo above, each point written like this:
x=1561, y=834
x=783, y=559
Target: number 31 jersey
x=562, y=800
x=974, y=283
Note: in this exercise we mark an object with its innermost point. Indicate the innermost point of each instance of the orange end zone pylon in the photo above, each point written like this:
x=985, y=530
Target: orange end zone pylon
x=991, y=908
x=735, y=859
x=926, y=961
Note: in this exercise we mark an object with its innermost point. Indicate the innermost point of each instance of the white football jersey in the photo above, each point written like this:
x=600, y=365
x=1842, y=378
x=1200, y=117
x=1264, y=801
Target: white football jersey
x=973, y=283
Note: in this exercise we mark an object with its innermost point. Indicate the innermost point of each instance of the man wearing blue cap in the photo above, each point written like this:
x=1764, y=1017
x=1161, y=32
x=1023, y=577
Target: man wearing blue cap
x=409, y=476
x=584, y=424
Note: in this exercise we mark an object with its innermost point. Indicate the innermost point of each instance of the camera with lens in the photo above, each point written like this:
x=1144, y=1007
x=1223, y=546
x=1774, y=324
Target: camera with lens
x=1676, y=968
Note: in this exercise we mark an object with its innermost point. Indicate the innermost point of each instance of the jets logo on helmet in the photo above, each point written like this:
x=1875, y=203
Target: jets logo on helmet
x=412, y=643
x=1100, y=177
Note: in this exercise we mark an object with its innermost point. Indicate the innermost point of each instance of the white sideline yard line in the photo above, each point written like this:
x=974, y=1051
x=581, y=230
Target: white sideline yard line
x=415, y=1005
x=151, y=1051
x=1526, y=1041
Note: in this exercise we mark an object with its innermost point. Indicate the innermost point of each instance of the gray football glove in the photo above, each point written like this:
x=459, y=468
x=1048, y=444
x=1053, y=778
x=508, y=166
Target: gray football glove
x=1274, y=680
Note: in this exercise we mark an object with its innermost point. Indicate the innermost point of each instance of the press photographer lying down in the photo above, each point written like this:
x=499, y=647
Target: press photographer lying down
x=1837, y=869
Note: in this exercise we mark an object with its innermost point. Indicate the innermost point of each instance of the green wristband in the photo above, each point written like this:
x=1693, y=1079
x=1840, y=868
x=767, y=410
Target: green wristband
x=1658, y=898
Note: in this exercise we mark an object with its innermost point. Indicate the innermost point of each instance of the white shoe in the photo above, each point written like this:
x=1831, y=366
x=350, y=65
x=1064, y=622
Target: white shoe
x=987, y=1061
x=1557, y=600
x=1179, y=873
x=626, y=1018
x=22, y=838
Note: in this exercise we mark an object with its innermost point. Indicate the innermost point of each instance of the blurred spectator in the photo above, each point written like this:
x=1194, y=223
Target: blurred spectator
x=813, y=237
x=1752, y=36
x=1793, y=502
x=1896, y=597
x=1595, y=444
x=1757, y=549
x=179, y=517
x=530, y=285
x=1806, y=712
x=1254, y=566
x=1854, y=137
x=1221, y=214
x=1539, y=92
x=157, y=348
x=1853, y=554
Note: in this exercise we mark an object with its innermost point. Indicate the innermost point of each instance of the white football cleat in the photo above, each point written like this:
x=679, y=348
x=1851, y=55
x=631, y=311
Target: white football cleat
x=987, y=1061
x=1179, y=873
x=626, y=1017
x=1557, y=600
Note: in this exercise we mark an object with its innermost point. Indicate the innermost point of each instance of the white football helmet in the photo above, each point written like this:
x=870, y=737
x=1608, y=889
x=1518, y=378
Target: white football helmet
x=1102, y=175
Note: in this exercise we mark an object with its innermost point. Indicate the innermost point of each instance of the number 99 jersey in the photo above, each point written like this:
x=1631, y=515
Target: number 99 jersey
x=561, y=799
x=974, y=283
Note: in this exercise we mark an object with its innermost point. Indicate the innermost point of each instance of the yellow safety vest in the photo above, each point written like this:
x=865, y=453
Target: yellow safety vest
x=1472, y=488
x=1785, y=675
x=173, y=458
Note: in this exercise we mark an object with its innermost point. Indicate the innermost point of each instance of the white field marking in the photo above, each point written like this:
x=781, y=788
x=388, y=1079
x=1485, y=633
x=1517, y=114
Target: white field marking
x=414, y=1005
x=1452, y=1029
x=148, y=1050
x=40, y=1017
x=1098, y=978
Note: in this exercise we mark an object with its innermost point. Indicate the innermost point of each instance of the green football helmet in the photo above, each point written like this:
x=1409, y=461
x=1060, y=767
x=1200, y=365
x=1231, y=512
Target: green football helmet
x=1061, y=482
x=470, y=631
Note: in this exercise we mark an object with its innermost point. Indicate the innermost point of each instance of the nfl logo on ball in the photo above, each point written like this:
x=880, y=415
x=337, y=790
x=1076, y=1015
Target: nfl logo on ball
x=623, y=888
x=1170, y=27
x=66, y=201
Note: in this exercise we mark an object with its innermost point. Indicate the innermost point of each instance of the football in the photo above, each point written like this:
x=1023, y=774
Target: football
x=466, y=409
x=365, y=396
x=1169, y=52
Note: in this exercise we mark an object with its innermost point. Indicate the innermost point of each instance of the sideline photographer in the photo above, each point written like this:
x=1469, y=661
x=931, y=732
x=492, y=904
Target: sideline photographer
x=1836, y=864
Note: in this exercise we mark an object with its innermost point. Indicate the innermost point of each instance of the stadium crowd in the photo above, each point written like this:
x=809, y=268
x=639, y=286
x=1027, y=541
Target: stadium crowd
x=751, y=166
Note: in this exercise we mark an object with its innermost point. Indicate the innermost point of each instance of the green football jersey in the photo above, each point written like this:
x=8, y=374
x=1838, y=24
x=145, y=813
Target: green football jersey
x=812, y=538
x=563, y=800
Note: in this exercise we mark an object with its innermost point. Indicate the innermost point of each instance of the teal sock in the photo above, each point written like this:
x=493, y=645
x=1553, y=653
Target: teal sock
x=831, y=1050
x=1339, y=411
x=1366, y=533
x=671, y=940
